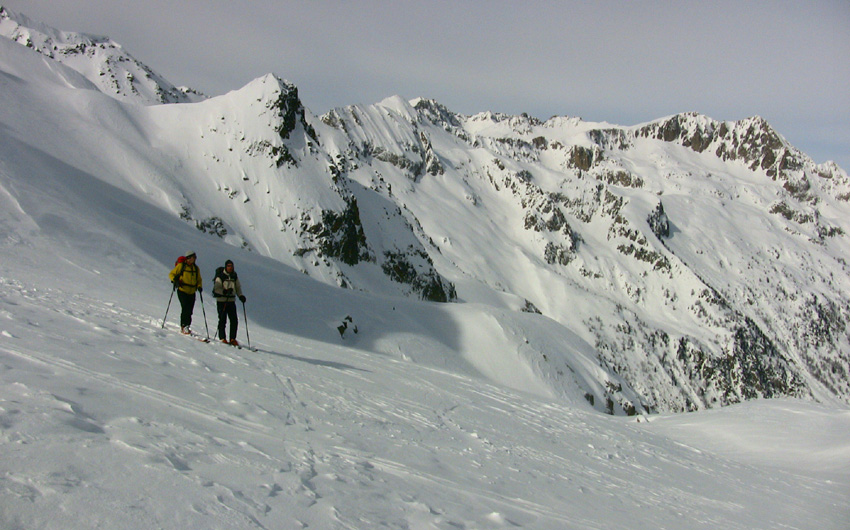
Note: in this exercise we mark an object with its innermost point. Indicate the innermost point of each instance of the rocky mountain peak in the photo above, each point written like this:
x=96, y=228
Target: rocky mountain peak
x=751, y=141
x=436, y=113
x=100, y=59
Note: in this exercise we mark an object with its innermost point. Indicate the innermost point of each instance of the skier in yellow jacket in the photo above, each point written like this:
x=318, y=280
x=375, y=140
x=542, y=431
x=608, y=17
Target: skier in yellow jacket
x=186, y=277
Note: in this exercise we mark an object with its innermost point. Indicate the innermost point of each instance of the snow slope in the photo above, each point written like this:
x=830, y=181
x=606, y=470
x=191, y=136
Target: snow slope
x=466, y=415
x=108, y=420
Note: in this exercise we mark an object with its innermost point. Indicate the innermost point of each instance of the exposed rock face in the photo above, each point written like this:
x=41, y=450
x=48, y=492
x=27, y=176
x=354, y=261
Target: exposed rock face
x=340, y=235
x=752, y=141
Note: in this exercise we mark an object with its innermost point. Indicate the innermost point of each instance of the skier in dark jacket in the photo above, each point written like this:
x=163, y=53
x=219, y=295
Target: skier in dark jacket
x=226, y=288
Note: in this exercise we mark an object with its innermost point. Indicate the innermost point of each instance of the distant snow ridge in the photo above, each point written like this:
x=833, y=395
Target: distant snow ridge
x=705, y=261
x=100, y=59
x=625, y=235
x=692, y=309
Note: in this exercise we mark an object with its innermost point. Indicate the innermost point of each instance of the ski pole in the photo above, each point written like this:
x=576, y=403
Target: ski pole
x=245, y=318
x=205, y=314
x=168, y=306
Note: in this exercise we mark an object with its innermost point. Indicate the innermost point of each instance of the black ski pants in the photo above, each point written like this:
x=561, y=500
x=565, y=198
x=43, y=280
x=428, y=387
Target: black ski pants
x=187, y=307
x=227, y=310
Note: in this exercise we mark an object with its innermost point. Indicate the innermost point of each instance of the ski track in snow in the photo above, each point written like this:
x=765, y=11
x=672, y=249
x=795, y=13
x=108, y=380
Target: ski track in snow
x=158, y=430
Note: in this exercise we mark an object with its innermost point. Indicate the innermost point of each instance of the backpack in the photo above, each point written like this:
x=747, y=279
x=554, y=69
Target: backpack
x=181, y=260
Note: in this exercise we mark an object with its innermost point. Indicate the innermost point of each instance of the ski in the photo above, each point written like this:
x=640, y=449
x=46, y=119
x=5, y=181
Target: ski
x=200, y=338
x=196, y=337
x=238, y=346
x=193, y=336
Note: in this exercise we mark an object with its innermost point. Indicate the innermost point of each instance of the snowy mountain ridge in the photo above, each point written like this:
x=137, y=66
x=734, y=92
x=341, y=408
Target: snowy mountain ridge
x=100, y=59
x=513, y=169
x=702, y=260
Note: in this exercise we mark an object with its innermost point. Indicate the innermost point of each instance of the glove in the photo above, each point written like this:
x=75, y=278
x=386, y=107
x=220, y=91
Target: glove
x=228, y=292
x=242, y=298
x=200, y=289
x=176, y=283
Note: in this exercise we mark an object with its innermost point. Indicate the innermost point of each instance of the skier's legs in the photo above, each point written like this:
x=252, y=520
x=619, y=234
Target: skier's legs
x=187, y=307
x=234, y=320
x=222, y=318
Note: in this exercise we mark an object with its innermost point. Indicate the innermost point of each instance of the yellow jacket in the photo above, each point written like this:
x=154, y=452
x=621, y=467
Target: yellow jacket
x=190, y=277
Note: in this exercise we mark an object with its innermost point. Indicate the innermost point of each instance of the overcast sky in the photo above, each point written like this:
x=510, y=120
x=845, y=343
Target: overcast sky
x=623, y=62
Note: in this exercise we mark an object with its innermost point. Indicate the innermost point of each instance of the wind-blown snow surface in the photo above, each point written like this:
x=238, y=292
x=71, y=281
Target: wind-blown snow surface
x=109, y=421
x=429, y=416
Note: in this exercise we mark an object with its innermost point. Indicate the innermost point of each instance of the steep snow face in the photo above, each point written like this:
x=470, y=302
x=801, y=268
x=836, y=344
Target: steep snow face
x=100, y=59
x=702, y=261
